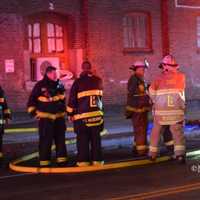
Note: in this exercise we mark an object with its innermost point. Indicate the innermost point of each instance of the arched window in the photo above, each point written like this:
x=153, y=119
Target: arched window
x=47, y=40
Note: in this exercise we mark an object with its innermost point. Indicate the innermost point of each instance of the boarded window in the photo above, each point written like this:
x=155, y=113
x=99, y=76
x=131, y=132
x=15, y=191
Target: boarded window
x=34, y=38
x=198, y=31
x=137, y=31
x=55, y=38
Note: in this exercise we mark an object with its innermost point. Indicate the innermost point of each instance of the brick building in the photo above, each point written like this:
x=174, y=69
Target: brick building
x=112, y=34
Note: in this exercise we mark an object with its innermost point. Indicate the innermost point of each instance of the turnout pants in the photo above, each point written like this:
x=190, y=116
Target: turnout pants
x=168, y=138
x=140, y=123
x=50, y=131
x=89, y=143
x=178, y=137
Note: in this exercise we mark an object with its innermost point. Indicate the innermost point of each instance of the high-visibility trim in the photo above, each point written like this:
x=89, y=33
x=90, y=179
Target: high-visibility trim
x=2, y=100
x=2, y=121
x=61, y=159
x=141, y=147
x=88, y=114
x=90, y=93
x=153, y=149
x=45, y=162
x=170, y=143
x=169, y=91
x=152, y=91
x=51, y=99
x=83, y=164
x=169, y=112
x=69, y=109
x=94, y=124
x=139, y=95
x=31, y=109
x=98, y=163
x=94, y=119
x=179, y=148
x=138, y=110
x=7, y=111
x=1, y=155
x=168, y=122
x=49, y=115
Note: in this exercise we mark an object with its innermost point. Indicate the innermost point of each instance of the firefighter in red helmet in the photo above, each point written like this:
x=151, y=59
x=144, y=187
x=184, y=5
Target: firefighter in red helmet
x=85, y=109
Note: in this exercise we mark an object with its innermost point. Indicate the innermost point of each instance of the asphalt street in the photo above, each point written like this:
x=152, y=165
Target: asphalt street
x=159, y=181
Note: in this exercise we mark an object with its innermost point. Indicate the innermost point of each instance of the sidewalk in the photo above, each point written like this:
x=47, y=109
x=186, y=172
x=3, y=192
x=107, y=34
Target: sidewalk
x=119, y=129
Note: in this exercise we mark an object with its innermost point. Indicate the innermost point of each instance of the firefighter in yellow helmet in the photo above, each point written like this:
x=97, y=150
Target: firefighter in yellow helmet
x=168, y=96
x=137, y=107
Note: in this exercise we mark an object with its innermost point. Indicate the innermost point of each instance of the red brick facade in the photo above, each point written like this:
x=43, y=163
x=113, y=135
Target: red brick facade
x=95, y=30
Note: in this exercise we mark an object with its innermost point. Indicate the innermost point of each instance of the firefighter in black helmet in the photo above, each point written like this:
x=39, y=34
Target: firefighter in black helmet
x=85, y=109
x=47, y=104
x=5, y=116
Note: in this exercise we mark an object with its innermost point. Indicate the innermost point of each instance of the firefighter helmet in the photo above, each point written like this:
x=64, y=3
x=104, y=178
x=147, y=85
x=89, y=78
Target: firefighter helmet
x=138, y=64
x=169, y=63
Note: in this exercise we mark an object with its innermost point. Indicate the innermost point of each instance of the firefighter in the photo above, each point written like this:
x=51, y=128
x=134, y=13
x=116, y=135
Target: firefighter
x=138, y=105
x=85, y=109
x=168, y=95
x=167, y=135
x=47, y=104
x=5, y=116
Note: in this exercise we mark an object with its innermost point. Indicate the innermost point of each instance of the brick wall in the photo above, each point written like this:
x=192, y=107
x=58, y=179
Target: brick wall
x=183, y=44
x=11, y=47
x=13, y=16
x=106, y=43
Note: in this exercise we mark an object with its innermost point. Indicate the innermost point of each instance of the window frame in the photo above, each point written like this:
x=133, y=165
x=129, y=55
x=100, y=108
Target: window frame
x=43, y=19
x=196, y=35
x=149, y=47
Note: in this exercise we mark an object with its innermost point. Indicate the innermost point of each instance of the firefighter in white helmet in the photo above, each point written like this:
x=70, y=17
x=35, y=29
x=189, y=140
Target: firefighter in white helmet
x=168, y=96
x=138, y=105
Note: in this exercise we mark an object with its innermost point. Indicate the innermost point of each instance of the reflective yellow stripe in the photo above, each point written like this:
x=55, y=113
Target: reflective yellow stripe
x=94, y=124
x=139, y=110
x=179, y=148
x=87, y=115
x=1, y=154
x=31, y=109
x=90, y=93
x=49, y=115
x=51, y=99
x=169, y=143
x=61, y=159
x=69, y=109
x=98, y=163
x=169, y=112
x=141, y=147
x=7, y=111
x=44, y=162
x=153, y=149
x=82, y=164
x=2, y=100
